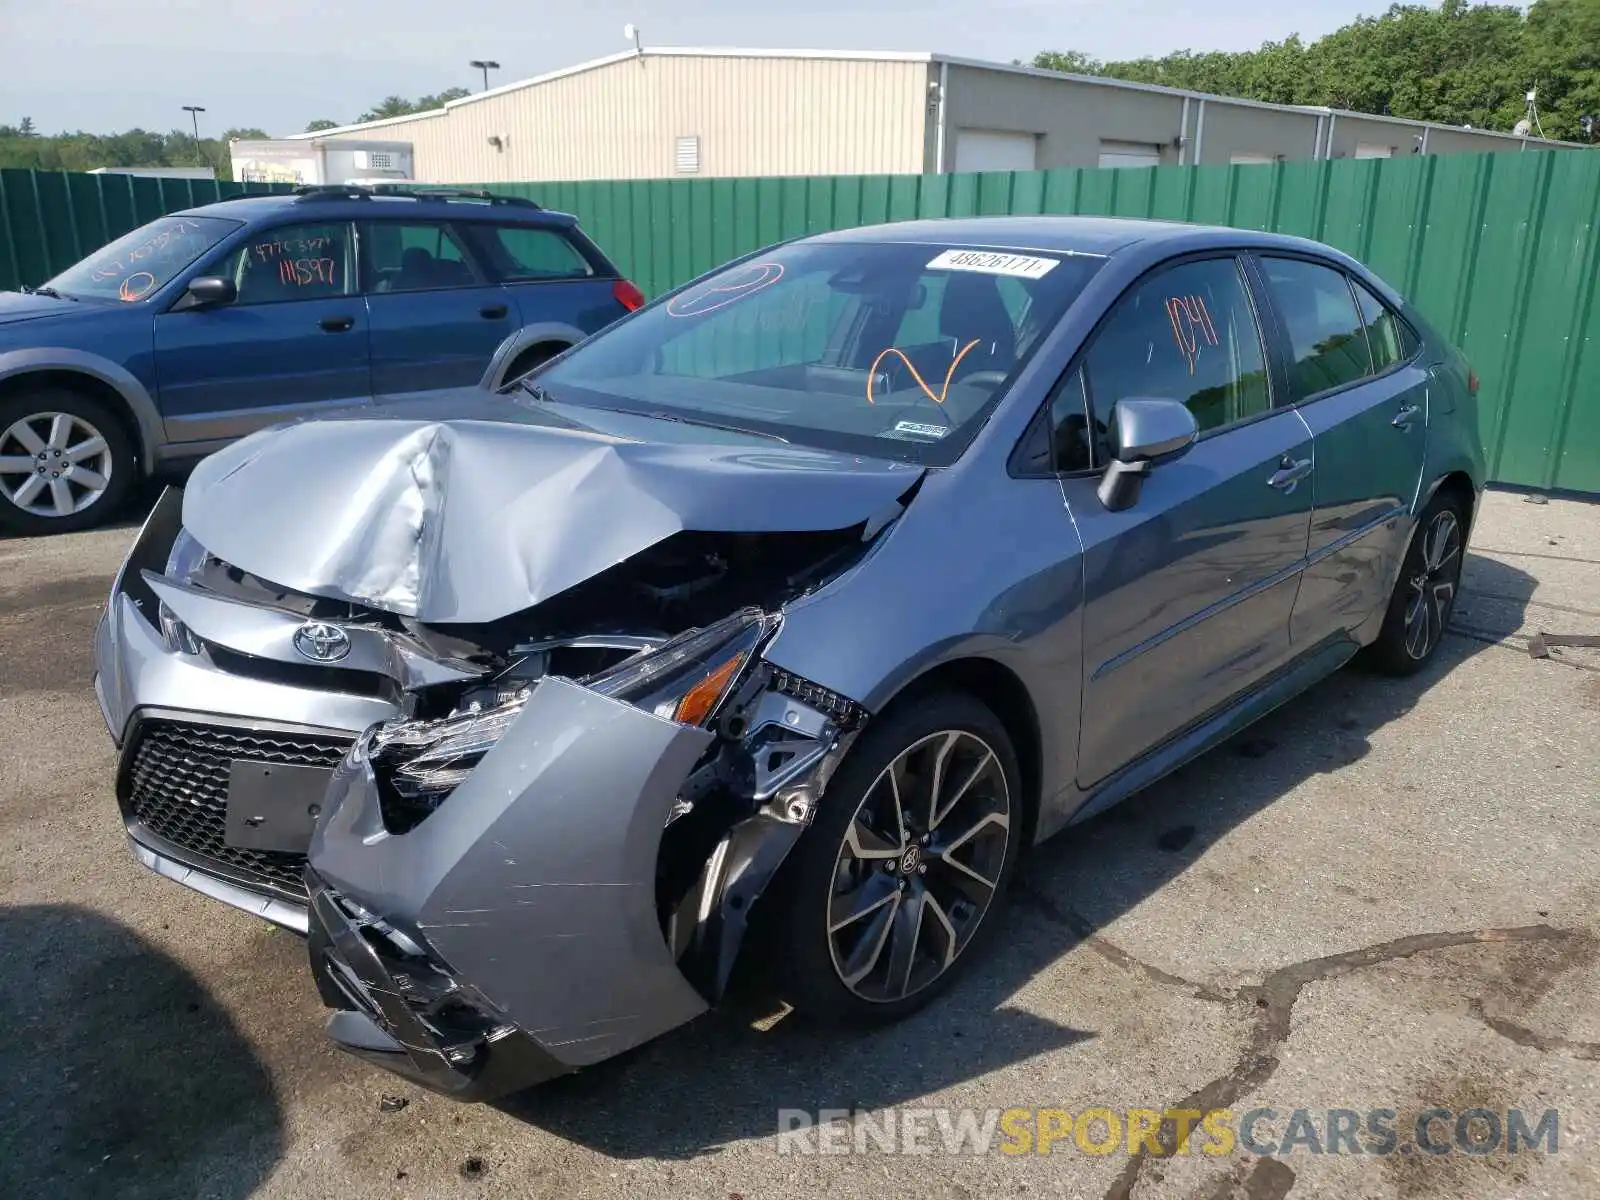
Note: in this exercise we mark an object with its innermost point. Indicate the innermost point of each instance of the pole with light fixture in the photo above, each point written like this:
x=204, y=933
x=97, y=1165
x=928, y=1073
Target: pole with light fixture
x=194, y=111
x=485, y=65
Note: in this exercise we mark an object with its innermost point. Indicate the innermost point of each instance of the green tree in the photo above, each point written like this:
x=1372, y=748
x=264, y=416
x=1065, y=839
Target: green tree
x=424, y=103
x=1068, y=62
x=1458, y=64
x=320, y=124
x=389, y=106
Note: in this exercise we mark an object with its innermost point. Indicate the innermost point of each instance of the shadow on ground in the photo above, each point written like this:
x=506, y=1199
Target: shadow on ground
x=719, y=1080
x=123, y=1078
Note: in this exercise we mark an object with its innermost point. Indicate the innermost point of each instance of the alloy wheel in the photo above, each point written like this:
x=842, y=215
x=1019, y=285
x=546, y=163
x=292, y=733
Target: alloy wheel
x=53, y=464
x=919, y=866
x=1433, y=585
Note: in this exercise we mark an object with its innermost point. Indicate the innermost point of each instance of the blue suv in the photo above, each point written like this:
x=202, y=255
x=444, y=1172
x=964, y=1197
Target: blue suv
x=207, y=324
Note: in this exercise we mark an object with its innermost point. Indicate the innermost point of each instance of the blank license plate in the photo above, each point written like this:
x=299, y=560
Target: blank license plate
x=273, y=806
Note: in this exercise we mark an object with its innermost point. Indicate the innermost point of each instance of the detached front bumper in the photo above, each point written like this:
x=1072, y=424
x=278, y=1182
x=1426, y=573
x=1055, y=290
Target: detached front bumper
x=535, y=881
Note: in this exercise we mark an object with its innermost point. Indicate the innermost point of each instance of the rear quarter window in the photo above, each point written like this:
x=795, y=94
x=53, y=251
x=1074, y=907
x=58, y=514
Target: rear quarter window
x=520, y=253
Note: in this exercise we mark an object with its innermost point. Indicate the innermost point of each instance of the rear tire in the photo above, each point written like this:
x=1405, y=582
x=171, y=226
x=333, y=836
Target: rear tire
x=66, y=462
x=871, y=926
x=1425, y=593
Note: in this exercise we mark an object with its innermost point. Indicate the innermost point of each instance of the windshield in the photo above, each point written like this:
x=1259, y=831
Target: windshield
x=894, y=349
x=137, y=264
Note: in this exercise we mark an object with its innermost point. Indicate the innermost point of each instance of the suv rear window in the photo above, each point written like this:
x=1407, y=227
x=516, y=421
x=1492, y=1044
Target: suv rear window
x=523, y=252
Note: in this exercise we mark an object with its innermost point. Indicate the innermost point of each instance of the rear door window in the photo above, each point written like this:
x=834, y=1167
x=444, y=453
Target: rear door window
x=1327, y=338
x=414, y=257
x=1388, y=338
x=521, y=253
x=1187, y=333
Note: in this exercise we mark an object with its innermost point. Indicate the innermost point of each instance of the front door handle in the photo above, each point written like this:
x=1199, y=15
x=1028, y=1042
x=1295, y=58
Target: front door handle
x=493, y=312
x=1289, y=473
x=1408, y=414
x=337, y=324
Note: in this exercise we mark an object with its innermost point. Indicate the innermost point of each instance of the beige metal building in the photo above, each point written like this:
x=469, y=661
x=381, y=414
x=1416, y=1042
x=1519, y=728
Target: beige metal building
x=676, y=112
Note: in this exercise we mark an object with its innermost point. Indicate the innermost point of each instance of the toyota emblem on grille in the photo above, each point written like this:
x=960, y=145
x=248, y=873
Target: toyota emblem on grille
x=321, y=642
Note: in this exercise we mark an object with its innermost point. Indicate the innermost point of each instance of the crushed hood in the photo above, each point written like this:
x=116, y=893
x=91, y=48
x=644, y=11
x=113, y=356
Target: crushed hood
x=464, y=518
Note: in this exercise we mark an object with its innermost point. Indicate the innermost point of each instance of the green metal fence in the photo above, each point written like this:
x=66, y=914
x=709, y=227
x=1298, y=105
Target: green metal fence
x=1499, y=250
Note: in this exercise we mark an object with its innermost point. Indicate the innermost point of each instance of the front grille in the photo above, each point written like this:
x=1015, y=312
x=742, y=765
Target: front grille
x=177, y=788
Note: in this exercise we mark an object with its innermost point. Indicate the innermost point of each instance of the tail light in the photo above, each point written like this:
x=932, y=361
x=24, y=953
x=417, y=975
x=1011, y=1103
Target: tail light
x=1472, y=382
x=629, y=296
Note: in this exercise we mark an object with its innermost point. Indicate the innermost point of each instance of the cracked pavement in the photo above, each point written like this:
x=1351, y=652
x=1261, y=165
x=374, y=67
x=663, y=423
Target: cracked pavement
x=1385, y=895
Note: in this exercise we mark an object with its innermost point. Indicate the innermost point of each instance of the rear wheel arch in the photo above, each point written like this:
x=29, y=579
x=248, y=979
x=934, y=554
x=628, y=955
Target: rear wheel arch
x=532, y=356
x=1459, y=484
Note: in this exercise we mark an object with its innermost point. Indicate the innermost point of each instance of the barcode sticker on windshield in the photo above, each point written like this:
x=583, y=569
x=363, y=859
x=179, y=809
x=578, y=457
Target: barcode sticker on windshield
x=919, y=430
x=990, y=262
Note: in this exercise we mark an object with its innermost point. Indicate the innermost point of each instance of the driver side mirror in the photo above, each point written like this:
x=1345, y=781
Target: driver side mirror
x=207, y=291
x=1143, y=430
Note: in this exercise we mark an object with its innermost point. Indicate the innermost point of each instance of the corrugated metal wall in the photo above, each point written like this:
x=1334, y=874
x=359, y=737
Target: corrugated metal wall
x=622, y=120
x=51, y=219
x=1499, y=250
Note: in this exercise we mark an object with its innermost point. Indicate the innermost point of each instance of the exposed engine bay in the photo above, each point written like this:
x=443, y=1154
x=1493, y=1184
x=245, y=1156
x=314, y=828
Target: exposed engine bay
x=636, y=631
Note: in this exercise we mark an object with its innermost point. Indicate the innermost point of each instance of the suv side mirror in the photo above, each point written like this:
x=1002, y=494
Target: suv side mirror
x=208, y=291
x=1144, y=430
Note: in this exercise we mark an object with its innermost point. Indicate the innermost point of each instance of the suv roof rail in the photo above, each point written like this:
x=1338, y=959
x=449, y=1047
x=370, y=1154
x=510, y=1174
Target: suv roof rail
x=342, y=191
x=430, y=193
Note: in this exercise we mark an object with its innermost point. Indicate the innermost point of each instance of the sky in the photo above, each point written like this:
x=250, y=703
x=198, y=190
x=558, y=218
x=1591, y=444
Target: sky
x=109, y=65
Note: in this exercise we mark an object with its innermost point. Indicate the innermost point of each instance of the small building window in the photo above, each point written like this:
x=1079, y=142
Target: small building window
x=686, y=159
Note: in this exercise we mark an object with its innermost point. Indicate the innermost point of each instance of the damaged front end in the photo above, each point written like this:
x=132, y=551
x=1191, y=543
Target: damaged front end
x=483, y=708
x=532, y=885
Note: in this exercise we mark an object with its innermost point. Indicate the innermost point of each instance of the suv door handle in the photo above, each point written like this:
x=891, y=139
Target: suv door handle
x=1289, y=473
x=493, y=312
x=337, y=324
x=1406, y=415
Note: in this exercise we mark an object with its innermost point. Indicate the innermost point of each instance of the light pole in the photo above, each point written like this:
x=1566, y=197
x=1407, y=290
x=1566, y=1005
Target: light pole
x=194, y=111
x=485, y=65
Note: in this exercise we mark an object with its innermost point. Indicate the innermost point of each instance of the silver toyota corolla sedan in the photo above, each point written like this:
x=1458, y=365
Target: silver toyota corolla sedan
x=781, y=615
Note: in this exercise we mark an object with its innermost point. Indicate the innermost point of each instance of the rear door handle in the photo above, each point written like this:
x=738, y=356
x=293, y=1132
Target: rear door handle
x=493, y=312
x=337, y=324
x=1403, y=418
x=1289, y=473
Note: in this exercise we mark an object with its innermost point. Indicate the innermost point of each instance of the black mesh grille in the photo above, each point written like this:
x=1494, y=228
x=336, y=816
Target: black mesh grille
x=177, y=785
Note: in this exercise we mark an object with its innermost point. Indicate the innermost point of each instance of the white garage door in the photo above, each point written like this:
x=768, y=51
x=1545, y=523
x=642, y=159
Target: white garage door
x=1373, y=150
x=993, y=150
x=1129, y=154
x=1247, y=157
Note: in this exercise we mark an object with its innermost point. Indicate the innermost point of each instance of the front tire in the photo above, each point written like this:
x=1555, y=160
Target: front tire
x=66, y=462
x=1425, y=594
x=917, y=837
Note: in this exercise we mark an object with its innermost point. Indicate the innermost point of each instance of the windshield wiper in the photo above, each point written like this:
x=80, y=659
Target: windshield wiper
x=539, y=393
x=47, y=290
x=760, y=433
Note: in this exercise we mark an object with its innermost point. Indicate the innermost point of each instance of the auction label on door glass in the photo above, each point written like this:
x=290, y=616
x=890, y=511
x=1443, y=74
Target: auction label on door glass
x=992, y=262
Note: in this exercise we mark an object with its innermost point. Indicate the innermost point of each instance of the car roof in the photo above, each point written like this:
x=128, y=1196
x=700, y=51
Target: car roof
x=340, y=204
x=1073, y=235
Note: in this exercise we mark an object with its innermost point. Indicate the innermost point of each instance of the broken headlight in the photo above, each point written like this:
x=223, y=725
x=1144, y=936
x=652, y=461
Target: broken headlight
x=184, y=561
x=686, y=679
